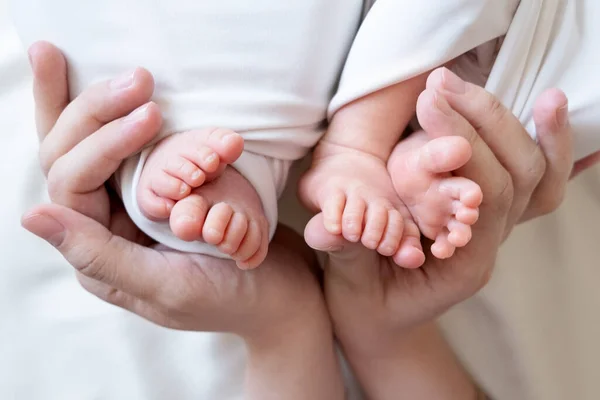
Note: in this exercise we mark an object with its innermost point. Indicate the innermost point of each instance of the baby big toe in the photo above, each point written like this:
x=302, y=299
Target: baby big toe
x=187, y=217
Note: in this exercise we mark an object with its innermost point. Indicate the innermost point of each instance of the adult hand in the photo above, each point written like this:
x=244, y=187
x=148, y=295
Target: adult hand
x=373, y=302
x=83, y=142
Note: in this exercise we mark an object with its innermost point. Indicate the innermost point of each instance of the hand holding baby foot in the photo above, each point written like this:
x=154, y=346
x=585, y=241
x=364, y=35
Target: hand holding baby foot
x=354, y=192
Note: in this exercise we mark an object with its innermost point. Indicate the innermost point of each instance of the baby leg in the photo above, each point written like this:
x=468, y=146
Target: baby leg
x=443, y=206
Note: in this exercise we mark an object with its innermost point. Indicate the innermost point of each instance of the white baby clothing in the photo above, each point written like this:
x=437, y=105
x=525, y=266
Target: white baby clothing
x=264, y=68
x=548, y=43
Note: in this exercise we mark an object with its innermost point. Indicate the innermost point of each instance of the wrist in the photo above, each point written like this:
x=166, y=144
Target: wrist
x=297, y=361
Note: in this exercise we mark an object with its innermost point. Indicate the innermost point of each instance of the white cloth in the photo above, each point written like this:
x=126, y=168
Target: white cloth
x=266, y=69
x=548, y=43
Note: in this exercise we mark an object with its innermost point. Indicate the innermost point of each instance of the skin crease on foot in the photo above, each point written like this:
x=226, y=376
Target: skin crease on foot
x=187, y=180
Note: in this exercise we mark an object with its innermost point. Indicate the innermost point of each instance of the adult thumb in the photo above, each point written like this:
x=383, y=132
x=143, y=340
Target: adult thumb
x=94, y=251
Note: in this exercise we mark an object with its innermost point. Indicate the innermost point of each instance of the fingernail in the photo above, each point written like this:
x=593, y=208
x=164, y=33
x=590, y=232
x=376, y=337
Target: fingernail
x=46, y=228
x=441, y=104
x=138, y=114
x=562, y=116
x=452, y=82
x=123, y=82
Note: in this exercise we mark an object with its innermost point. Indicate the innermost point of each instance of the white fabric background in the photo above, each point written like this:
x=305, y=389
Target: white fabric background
x=532, y=334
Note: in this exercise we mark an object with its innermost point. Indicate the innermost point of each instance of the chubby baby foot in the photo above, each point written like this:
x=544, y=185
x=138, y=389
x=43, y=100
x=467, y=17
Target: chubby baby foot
x=182, y=162
x=354, y=192
x=226, y=213
x=443, y=206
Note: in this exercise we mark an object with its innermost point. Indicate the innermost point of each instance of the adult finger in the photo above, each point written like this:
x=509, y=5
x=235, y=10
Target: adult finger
x=50, y=85
x=99, y=104
x=76, y=180
x=585, y=163
x=501, y=131
x=98, y=254
x=556, y=140
x=92, y=161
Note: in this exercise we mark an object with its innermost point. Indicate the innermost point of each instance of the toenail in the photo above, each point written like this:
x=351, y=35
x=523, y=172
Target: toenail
x=123, y=82
x=196, y=175
x=212, y=232
x=185, y=219
x=183, y=188
x=227, y=137
x=211, y=158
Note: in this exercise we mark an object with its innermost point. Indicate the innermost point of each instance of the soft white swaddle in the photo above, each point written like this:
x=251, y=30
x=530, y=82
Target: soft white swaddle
x=548, y=43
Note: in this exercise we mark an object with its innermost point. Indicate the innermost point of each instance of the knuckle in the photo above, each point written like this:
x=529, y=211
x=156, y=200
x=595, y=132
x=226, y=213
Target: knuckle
x=46, y=158
x=56, y=183
x=96, y=265
x=551, y=203
x=503, y=197
x=536, y=168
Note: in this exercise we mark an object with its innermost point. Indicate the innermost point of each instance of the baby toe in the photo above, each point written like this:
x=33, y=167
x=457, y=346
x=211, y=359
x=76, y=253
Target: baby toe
x=353, y=218
x=376, y=222
x=234, y=234
x=460, y=234
x=333, y=209
x=187, y=217
x=170, y=187
x=392, y=234
x=153, y=206
x=442, y=248
x=185, y=170
x=216, y=223
x=249, y=246
x=464, y=214
x=410, y=251
x=227, y=144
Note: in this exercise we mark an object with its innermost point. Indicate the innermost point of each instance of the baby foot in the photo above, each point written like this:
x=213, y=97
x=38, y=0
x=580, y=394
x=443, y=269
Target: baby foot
x=226, y=213
x=182, y=162
x=443, y=206
x=354, y=192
